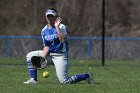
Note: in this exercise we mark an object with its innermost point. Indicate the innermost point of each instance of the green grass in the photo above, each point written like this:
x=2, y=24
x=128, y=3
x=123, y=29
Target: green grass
x=116, y=78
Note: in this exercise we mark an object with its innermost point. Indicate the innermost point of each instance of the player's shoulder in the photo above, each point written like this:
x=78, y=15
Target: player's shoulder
x=44, y=28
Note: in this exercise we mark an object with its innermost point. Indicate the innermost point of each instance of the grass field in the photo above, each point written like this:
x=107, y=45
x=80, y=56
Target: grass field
x=116, y=78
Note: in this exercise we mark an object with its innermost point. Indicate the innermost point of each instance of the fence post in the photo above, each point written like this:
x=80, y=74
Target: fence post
x=90, y=47
x=103, y=32
x=9, y=47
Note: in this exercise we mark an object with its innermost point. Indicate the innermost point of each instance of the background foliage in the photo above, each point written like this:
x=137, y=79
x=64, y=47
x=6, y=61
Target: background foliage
x=83, y=17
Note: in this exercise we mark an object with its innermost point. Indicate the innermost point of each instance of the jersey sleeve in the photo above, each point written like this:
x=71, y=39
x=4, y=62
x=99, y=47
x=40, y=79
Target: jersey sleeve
x=63, y=29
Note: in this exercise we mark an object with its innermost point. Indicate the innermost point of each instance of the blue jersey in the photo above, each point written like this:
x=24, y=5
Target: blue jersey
x=51, y=39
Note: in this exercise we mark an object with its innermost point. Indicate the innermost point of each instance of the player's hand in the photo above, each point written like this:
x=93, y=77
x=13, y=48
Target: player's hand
x=57, y=22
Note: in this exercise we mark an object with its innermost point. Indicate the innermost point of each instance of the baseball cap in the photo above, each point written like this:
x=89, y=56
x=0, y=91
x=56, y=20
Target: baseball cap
x=51, y=12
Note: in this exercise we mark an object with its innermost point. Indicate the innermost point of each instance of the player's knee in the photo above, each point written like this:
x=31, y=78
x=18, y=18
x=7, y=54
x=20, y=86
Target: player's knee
x=63, y=80
x=33, y=53
x=28, y=57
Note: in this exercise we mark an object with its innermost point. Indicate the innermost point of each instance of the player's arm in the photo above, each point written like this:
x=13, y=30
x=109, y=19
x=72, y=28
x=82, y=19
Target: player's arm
x=61, y=35
x=45, y=51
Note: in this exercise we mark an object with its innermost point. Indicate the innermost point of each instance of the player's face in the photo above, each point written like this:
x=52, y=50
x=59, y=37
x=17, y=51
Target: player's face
x=50, y=19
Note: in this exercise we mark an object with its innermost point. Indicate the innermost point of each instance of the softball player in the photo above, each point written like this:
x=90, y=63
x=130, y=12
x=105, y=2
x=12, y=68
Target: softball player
x=54, y=36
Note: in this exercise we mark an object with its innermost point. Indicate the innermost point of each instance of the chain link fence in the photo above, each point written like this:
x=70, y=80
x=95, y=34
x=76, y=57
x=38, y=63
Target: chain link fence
x=22, y=20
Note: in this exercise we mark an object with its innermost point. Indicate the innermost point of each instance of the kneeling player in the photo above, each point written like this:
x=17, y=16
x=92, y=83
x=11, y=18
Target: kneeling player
x=54, y=36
